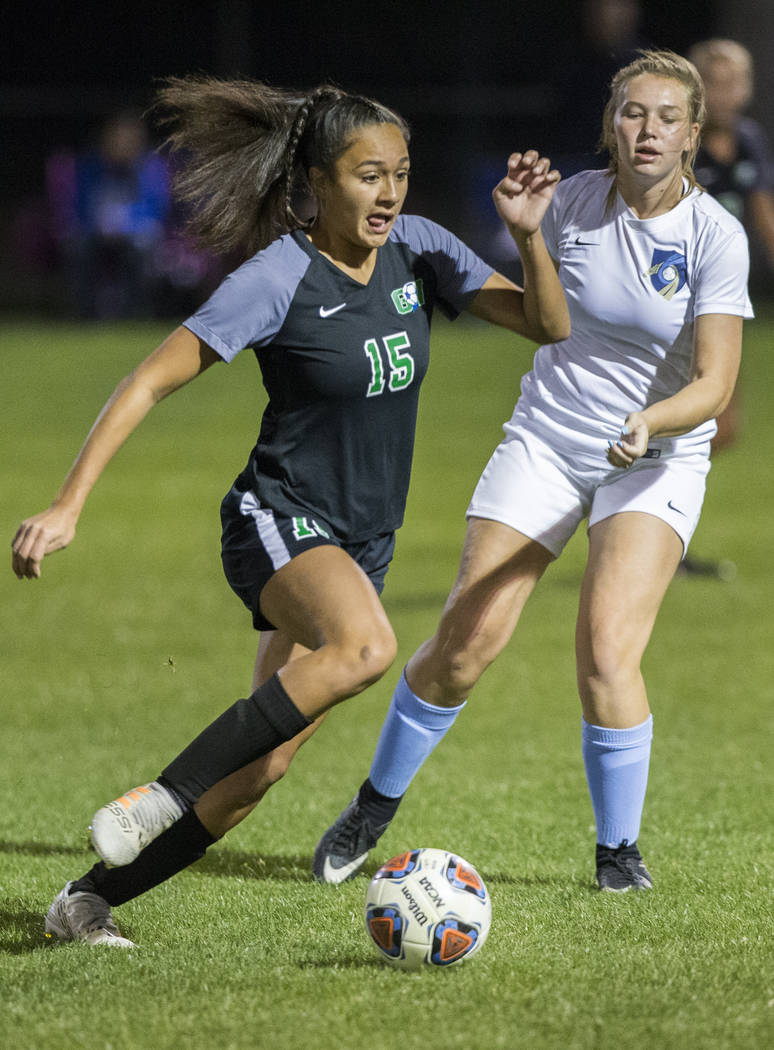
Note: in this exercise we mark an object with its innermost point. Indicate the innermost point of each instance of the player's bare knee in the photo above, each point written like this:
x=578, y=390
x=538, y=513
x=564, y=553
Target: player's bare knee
x=605, y=673
x=365, y=659
x=457, y=673
x=378, y=654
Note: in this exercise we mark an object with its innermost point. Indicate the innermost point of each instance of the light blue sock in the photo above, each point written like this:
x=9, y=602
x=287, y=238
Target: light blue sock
x=411, y=730
x=616, y=763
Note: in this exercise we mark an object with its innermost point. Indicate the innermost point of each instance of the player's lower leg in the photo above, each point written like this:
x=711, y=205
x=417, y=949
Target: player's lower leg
x=82, y=910
x=616, y=762
x=250, y=728
x=181, y=845
x=411, y=730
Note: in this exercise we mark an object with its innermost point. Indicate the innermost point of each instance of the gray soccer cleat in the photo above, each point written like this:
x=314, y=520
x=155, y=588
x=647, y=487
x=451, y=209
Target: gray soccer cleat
x=83, y=916
x=123, y=828
x=343, y=849
x=621, y=868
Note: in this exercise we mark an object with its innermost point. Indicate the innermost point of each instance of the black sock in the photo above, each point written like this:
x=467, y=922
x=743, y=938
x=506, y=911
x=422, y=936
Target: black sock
x=249, y=729
x=379, y=808
x=176, y=848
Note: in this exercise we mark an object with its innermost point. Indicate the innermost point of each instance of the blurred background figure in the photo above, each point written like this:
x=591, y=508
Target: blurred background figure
x=113, y=215
x=609, y=37
x=601, y=36
x=103, y=238
x=735, y=161
x=734, y=164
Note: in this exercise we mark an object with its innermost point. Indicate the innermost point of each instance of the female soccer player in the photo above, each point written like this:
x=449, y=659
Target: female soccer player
x=338, y=311
x=613, y=425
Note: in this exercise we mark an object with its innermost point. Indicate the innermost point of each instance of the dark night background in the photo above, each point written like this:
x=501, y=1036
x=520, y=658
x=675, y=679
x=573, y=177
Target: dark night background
x=474, y=80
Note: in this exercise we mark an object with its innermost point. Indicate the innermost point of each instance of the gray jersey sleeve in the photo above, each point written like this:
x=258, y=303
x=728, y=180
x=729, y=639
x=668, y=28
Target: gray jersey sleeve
x=249, y=307
x=459, y=271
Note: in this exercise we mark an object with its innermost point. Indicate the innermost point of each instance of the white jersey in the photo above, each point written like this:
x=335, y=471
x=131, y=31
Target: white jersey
x=634, y=287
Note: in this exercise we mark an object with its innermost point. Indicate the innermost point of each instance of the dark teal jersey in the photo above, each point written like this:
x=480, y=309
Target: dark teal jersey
x=342, y=364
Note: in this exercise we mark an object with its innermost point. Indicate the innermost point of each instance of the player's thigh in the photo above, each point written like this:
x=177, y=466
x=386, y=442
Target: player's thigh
x=631, y=561
x=525, y=507
x=640, y=525
x=499, y=566
x=498, y=570
x=323, y=597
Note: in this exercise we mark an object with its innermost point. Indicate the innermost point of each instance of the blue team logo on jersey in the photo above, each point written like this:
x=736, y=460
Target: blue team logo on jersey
x=410, y=297
x=667, y=272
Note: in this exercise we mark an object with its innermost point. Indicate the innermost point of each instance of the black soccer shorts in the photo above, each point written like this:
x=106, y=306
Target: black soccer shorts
x=257, y=541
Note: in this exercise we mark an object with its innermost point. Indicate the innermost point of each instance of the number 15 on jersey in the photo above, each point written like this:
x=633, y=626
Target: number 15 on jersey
x=401, y=363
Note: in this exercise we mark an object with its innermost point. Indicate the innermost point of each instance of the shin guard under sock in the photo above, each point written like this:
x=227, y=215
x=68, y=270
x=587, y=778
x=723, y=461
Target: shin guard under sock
x=411, y=730
x=249, y=729
x=617, y=763
x=175, y=849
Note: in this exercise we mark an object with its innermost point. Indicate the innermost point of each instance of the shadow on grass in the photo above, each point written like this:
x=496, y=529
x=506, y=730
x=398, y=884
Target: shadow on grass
x=337, y=963
x=21, y=930
x=44, y=849
x=298, y=868
x=238, y=864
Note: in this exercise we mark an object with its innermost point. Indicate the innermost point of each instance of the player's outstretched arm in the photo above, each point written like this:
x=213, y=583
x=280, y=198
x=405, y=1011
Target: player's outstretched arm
x=539, y=311
x=180, y=358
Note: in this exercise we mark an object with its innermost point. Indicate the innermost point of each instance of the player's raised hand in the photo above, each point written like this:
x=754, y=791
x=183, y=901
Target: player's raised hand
x=38, y=536
x=521, y=198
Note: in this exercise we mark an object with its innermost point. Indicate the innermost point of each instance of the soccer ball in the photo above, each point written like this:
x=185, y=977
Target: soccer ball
x=427, y=906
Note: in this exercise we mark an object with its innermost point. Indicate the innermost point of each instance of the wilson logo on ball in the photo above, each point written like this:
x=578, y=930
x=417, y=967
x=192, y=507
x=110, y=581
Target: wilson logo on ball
x=427, y=907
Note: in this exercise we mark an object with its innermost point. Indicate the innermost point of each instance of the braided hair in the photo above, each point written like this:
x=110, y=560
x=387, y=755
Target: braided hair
x=242, y=150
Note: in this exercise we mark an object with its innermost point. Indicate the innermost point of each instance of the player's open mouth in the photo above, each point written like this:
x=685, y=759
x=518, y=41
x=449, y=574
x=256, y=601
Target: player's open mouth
x=646, y=153
x=380, y=222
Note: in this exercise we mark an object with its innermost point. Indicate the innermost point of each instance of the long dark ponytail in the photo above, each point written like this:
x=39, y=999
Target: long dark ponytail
x=242, y=150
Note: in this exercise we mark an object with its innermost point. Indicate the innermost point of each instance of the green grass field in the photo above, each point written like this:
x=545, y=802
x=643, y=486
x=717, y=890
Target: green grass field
x=132, y=641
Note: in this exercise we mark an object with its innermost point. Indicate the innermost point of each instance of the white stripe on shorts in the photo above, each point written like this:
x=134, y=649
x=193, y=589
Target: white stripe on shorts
x=272, y=541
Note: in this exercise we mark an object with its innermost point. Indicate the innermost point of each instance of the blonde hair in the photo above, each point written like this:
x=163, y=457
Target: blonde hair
x=666, y=64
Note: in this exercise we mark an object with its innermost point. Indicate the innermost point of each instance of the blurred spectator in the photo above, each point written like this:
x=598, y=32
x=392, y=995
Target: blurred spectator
x=605, y=37
x=610, y=37
x=113, y=218
x=106, y=224
x=735, y=161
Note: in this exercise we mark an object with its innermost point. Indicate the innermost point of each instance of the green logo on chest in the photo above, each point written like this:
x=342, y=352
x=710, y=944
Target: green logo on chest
x=410, y=297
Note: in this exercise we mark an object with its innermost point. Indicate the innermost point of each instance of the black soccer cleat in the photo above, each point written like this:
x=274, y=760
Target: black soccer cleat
x=621, y=868
x=343, y=849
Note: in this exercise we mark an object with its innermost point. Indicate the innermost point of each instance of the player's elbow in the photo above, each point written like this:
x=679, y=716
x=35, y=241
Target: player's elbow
x=553, y=330
x=560, y=330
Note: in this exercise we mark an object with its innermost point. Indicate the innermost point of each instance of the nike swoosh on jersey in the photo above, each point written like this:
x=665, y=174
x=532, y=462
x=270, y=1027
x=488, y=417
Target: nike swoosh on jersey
x=677, y=510
x=332, y=310
x=331, y=874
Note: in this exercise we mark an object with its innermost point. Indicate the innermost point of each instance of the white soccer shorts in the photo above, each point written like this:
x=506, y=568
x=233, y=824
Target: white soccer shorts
x=538, y=492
